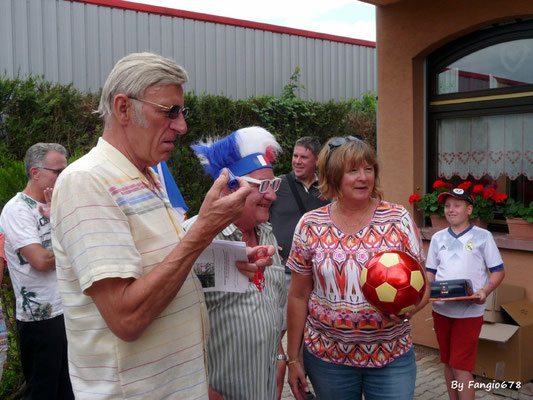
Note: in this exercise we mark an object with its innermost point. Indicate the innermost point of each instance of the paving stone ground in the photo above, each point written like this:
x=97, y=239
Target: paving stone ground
x=430, y=384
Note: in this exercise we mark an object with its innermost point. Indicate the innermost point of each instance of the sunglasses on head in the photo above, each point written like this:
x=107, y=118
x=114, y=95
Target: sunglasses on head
x=339, y=141
x=173, y=111
x=264, y=184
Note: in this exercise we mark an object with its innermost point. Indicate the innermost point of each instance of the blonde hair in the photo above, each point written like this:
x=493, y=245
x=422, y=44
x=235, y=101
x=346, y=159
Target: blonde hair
x=333, y=161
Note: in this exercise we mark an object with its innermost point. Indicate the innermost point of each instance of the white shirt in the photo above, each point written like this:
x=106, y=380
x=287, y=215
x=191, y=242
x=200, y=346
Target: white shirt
x=36, y=292
x=469, y=255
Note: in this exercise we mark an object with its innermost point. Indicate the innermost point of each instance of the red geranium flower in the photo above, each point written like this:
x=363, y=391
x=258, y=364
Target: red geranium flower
x=437, y=184
x=413, y=198
x=465, y=185
x=488, y=193
x=448, y=185
x=499, y=197
x=478, y=189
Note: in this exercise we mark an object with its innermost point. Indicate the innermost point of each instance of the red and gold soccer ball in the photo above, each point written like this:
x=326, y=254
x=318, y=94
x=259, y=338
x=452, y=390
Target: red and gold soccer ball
x=393, y=282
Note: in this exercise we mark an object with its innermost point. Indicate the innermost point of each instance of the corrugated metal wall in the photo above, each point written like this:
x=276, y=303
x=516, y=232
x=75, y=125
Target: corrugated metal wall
x=76, y=42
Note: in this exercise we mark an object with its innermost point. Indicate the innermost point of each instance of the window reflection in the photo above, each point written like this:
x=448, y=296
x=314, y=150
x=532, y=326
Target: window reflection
x=502, y=65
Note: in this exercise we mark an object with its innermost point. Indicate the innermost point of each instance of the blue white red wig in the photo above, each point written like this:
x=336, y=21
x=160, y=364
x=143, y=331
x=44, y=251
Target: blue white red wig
x=242, y=152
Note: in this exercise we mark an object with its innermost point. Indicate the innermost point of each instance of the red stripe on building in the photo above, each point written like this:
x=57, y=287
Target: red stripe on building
x=126, y=5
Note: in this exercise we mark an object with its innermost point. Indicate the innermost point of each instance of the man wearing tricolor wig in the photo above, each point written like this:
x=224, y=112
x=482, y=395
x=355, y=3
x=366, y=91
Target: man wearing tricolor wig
x=245, y=333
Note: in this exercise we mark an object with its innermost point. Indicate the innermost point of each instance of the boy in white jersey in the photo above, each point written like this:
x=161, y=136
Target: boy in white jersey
x=462, y=251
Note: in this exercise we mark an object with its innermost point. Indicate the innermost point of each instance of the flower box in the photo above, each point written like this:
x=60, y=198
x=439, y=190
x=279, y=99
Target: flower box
x=438, y=222
x=519, y=228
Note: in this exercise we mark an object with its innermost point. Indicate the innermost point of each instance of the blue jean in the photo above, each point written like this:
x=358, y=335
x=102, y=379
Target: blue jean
x=330, y=381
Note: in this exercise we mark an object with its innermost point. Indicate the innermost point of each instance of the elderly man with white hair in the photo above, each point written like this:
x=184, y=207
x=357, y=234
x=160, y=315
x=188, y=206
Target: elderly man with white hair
x=134, y=311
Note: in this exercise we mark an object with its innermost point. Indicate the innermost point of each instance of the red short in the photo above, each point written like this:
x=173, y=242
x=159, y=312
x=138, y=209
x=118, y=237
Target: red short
x=458, y=339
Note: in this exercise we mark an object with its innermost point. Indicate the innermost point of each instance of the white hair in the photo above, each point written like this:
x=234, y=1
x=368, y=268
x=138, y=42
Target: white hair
x=135, y=73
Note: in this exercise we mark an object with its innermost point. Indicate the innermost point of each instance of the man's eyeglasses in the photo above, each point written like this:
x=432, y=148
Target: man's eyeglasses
x=173, y=111
x=265, y=183
x=339, y=141
x=55, y=171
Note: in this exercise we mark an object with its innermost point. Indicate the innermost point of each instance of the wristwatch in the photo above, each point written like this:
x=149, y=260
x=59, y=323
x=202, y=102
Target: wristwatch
x=282, y=357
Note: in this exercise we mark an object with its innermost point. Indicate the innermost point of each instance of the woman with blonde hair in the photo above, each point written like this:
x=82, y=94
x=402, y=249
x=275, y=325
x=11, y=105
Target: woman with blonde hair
x=345, y=345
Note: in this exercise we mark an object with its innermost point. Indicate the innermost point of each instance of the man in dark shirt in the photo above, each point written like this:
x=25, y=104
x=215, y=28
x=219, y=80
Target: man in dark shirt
x=287, y=210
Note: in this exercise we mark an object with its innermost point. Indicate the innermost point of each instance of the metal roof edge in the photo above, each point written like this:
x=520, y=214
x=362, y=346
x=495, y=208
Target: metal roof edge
x=128, y=5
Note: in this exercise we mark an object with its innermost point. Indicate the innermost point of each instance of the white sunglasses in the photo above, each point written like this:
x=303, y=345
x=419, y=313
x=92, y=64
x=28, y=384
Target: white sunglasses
x=265, y=183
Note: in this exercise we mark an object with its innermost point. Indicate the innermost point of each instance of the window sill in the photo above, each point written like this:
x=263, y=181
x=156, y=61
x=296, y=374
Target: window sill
x=501, y=239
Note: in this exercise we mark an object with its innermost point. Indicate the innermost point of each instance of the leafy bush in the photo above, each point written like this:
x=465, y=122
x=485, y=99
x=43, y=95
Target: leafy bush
x=286, y=116
x=35, y=110
x=12, y=178
x=12, y=379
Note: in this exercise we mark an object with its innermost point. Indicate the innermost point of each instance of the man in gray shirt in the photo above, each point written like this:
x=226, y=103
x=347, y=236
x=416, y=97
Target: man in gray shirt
x=304, y=196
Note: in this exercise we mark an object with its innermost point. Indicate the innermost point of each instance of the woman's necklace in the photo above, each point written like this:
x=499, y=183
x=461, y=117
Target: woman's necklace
x=345, y=218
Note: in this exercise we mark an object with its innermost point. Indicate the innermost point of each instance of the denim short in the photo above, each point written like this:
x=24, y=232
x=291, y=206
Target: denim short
x=395, y=380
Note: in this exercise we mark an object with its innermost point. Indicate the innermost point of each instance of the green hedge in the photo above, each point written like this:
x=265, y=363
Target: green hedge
x=34, y=110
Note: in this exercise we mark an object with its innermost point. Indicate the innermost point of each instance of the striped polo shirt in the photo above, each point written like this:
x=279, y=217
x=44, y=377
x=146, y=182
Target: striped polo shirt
x=246, y=329
x=109, y=222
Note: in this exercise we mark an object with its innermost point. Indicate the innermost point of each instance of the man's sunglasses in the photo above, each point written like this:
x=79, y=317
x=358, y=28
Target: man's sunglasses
x=339, y=141
x=173, y=111
x=264, y=184
x=55, y=171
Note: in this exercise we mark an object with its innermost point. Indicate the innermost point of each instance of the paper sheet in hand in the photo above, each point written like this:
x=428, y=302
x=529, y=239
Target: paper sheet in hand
x=216, y=267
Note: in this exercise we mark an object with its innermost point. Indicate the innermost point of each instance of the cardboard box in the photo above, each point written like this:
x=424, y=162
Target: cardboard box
x=504, y=351
x=502, y=295
x=422, y=328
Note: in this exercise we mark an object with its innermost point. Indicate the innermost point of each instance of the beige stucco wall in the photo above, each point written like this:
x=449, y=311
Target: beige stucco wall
x=407, y=31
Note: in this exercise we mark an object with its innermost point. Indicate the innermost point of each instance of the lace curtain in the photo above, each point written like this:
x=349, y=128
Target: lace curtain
x=487, y=145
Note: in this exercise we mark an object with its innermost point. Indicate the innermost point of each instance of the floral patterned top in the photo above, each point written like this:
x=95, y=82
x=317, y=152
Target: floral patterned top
x=342, y=327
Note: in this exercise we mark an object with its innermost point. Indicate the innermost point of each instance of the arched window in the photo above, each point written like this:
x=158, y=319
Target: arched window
x=480, y=110
x=501, y=65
